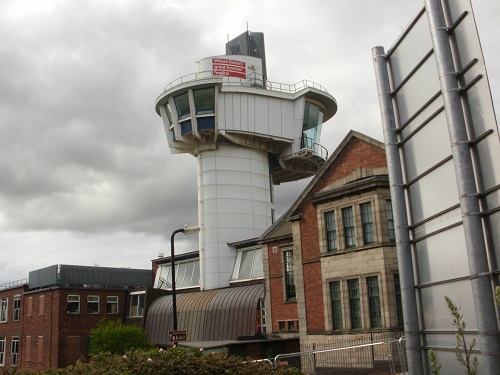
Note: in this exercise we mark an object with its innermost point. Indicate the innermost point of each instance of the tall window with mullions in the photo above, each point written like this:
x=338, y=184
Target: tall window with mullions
x=289, y=274
x=336, y=305
x=367, y=220
x=349, y=233
x=354, y=303
x=331, y=231
x=374, y=302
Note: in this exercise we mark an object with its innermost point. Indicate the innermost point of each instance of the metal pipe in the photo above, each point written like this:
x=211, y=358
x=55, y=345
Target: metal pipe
x=483, y=299
x=172, y=272
x=405, y=261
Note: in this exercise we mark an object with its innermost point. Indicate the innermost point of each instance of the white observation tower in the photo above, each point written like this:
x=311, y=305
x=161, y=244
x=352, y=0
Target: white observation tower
x=247, y=133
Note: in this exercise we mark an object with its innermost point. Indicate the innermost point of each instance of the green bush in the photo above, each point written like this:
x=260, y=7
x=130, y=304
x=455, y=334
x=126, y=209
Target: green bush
x=112, y=336
x=177, y=361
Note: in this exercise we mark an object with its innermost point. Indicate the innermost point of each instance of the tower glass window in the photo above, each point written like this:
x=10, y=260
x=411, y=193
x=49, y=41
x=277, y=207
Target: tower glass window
x=311, y=127
x=354, y=303
x=349, y=233
x=331, y=231
x=182, y=105
x=204, y=101
x=336, y=304
x=374, y=302
x=367, y=219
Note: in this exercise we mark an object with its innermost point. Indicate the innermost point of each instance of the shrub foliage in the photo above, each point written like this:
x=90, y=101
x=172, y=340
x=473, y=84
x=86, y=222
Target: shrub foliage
x=112, y=336
x=177, y=361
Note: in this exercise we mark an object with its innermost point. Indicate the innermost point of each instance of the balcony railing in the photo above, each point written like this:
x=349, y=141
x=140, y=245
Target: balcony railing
x=13, y=284
x=316, y=148
x=252, y=80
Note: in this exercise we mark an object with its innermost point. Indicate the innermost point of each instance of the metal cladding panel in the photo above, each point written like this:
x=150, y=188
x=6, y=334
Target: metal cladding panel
x=213, y=315
x=249, y=43
x=450, y=151
x=43, y=277
x=80, y=275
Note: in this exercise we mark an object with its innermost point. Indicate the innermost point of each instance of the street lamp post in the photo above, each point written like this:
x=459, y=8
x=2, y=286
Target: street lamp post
x=185, y=230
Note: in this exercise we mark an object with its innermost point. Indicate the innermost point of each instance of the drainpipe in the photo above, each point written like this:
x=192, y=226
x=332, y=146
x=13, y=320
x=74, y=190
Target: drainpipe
x=405, y=261
x=482, y=292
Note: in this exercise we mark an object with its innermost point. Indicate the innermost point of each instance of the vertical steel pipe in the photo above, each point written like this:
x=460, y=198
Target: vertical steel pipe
x=483, y=299
x=405, y=261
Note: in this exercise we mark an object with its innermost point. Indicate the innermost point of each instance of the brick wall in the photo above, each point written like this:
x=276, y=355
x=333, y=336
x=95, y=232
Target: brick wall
x=56, y=338
x=11, y=328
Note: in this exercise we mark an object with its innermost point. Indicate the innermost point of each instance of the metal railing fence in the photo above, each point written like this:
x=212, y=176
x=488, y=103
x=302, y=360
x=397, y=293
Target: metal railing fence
x=381, y=357
x=252, y=80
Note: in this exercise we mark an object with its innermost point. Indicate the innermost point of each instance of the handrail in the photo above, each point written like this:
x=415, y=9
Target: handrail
x=253, y=80
x=13, y=284
x=315, y=147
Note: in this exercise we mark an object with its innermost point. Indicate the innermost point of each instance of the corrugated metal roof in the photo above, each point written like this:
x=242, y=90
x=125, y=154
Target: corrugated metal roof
x=212, y=315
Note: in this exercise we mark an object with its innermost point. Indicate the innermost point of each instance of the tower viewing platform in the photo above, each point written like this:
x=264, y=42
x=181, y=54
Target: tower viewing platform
x=247, y=134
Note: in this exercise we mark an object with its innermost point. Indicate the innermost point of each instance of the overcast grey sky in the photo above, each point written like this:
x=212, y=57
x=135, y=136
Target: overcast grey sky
x=86, y=176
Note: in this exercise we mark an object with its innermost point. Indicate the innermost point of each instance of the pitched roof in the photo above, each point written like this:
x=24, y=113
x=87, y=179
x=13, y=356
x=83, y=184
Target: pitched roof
x=326, y=167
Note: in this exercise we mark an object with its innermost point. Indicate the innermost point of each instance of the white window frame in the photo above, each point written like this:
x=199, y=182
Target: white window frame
x=75, y=298
x=3, y=343
x=14, y=354
x=109, y=302
x=16, y=311
x=93, y=296
x=133, y=296
x=237, y=265
x=4, y=309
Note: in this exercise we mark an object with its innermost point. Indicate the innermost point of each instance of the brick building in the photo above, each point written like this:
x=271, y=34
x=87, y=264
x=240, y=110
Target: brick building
x=330, y=263
x=47, y=321
x=10, y=323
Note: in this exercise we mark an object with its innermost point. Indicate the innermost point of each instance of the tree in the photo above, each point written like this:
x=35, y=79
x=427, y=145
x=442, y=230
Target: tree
x=115, y=337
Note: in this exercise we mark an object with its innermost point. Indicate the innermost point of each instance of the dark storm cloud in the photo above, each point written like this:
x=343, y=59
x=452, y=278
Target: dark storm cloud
x=85, y=170
x=82, y=147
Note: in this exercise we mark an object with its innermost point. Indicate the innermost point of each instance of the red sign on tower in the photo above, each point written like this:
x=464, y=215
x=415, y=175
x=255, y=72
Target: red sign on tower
x=228, y=68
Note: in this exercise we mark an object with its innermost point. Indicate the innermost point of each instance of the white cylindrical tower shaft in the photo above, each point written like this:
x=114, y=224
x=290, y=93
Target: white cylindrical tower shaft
x=235, y=202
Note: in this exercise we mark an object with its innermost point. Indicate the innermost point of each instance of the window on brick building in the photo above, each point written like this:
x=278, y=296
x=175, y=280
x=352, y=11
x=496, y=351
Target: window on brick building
x=137, y=304
x=367, y=220
x=16, y=309
x=73, y=306
x=27, y=354
x=331, y=231
x=93, y=304
x=112, y=305
x=30, y=306
x=288, y=270
x=336, y=295
x=374, y=302
x=39, y=357
x=248, y=264
x=349, y=232
x=399, y=303
x=4, y=305
x=354, y=303
x=14, y=351
x=41, y=304
x=2, y=350
x=263, y=322
x=390, y=221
